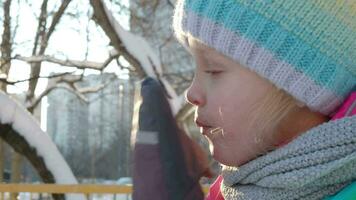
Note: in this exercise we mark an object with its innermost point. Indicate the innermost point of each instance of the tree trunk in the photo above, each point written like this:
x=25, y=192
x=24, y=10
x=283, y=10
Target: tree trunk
x=5, y=64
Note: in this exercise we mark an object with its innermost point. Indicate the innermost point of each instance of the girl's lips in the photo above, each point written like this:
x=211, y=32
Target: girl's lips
x=202, y=125
x=204, y=128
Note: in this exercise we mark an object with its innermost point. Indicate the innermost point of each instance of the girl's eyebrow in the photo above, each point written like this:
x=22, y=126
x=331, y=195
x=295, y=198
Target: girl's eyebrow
x=214, y=59
x=212, y=63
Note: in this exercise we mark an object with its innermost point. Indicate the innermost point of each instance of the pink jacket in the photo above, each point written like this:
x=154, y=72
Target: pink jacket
x=347, y=109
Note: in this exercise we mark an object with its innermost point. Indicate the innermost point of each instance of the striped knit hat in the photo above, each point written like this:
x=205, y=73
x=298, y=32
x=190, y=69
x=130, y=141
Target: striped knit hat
x=306, y=47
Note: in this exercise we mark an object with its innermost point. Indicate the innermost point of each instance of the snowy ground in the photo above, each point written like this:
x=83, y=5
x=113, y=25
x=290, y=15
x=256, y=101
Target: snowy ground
x=112, y=197
x=35, y=196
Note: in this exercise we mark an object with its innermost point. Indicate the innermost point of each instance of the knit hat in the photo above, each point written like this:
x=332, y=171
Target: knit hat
x=305, y=47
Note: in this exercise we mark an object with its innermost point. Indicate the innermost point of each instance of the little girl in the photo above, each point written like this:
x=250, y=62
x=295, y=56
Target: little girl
x=274, y=91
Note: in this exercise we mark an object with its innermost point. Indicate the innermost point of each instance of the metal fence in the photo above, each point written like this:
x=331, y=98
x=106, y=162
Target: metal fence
x=44, y=191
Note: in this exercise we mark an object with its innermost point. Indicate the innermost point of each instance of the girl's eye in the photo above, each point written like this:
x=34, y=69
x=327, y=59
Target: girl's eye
x=213, y=72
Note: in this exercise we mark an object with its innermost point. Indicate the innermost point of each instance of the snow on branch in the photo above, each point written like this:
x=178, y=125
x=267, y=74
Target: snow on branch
x=68, y=83
x=101, y=18
x=15, y=121
x=135, y=50
x=72, y=90
x=67, y=62
x=91, y=89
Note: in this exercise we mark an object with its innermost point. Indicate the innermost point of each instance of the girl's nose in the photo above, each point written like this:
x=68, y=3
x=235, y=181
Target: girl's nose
x=195, y=94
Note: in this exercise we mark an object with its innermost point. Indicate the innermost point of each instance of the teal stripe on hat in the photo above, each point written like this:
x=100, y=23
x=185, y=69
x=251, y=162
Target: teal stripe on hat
x=316, y=23
x=333, y=36
x=284, y=45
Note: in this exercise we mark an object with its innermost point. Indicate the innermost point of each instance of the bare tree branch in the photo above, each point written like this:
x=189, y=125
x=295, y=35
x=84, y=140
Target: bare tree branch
x=103, y=20
x=122, y=66
x=45, y=36
x=35, y=68
x=56, y=18
x=4, y=79
x=41, y=27
x=68, y=63
x=91, y=89
x=68, y=82
x=16, y=25
x=33, y=105
x=87, y=35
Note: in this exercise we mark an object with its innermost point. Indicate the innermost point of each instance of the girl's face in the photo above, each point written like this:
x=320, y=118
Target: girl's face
x=225, y=94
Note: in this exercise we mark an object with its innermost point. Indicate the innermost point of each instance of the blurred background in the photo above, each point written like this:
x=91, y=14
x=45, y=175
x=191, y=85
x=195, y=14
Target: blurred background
x=60, y=62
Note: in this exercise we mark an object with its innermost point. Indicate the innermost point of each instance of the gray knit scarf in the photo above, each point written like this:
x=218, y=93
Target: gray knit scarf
x=316, y=164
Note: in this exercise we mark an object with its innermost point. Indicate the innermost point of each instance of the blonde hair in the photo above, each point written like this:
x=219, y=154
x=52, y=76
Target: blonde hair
x=268, y=113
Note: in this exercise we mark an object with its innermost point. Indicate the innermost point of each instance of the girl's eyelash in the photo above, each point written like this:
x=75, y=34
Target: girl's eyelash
x=213, y=72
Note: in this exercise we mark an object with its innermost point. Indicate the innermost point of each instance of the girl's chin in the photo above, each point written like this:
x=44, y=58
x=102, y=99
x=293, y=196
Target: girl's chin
x=219, y=156
x=223, y=157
